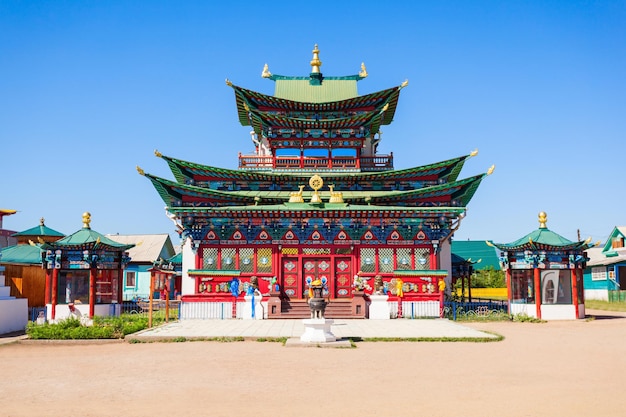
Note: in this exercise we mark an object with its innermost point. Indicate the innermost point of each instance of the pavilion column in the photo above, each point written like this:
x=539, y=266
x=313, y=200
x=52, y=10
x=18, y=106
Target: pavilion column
x=92, y=292
x=53, y=300
x=48, y=286
x=509, y=288
x=120, y=286
x=537, y=277
x=575, y=290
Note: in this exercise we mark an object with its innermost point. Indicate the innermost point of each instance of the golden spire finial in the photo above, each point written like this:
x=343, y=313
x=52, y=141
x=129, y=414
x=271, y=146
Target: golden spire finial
x=228, y=83
x=86, y=220
x=315, y=62
x=363, y=72
x=158, y=154
x=266, y=72
x=42, y=222
x=140, y=171
x=474, y=152
x=543, y=219
x=491, y=169
x=404, y=84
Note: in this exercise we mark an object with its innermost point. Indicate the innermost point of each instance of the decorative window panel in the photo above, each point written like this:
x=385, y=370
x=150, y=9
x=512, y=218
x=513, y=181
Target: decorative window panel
x=289, y=251
x=403, y=256
x=316, y=251
x=228, y=258
x=422, y=258
x=209, y=258
x=598, y=273
x=368, y=259
x=385, y=260
x=246, y=260
x=264, y=260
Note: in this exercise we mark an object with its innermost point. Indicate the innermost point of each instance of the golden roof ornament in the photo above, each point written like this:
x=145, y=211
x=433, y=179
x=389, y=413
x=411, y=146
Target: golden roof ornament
x=543, y=219
x=474, y=153
x=316, y=182
x=315, y=62
x=158, y=154
x=266, y=72
x=42, y=222
x=404, y=84
x=363, y=72
x=335, y=196
x=228, y=83
x=296, y=197
x=86, y=220
x=140, y=171
x=491, y=169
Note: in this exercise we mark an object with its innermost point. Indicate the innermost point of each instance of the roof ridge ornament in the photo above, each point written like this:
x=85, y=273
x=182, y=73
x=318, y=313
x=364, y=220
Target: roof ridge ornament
x=491, y=169
x=229, y=83
x=543, y=219
x=363, y=72
x=315, y=62
x=86, y=220
x=158, y=154
x=266, y=72
x=140, y=171
x=474, y=152
x=405, y=83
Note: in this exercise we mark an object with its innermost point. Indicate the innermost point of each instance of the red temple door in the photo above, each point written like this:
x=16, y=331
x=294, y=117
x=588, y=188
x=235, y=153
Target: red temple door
x=291, y=283
x=316, y=268
x=343, y=277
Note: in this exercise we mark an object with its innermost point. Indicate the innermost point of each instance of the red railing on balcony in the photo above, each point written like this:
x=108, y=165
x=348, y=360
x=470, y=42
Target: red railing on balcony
x=364, y=163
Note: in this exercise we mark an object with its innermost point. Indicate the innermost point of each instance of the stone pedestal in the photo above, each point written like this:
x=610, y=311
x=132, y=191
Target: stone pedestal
x=379, y=308
x=358, y=305
x=252, y=309
x=274, y=305
x=317, y=331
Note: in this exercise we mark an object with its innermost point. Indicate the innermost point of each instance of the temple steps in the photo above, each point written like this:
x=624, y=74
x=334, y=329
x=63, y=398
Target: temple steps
x=299, y=309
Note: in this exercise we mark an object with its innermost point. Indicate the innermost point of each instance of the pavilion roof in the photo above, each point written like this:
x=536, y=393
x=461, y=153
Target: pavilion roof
x=21, y=254
x=86, y=238
x=447, y=170
x=40, y=230
x=543, y=239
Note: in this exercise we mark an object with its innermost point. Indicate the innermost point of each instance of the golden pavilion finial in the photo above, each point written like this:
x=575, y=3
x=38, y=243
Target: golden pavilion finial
x=474, y=153
x=42, y=222
x=140, y=171
x=491, y=169
x=266, y=72
x=228, y=83
x=315, y=62
x=404, y=84
x=316, y=182
x=158, y=154
x=40, y=240
x=86, y=220
x=543, y=219
x=363, y=72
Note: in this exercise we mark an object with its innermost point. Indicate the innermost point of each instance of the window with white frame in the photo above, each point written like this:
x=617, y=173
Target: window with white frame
x=598, y=273
x=131, y=278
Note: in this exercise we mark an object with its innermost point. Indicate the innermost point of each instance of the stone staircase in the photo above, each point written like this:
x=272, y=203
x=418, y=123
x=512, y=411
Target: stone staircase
x=13, y=311
x=299, y=309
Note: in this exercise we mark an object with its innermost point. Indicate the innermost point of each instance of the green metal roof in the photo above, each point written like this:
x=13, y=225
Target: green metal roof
x=21, y=254
x=40, y=230
x=329, y=90
x=476, y=250
x=86, y=237
x=542, y=239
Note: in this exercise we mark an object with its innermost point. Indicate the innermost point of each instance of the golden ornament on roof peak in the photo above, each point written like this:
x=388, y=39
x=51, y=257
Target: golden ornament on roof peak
x=266, y=72
x=474, y=152
x=543, y=219
x=363, y=72
x=140, y=171
x=315, y=62
x=86, y=220
x=491, y=169
x=228, y=83
x=158, y=154
x=404, y=84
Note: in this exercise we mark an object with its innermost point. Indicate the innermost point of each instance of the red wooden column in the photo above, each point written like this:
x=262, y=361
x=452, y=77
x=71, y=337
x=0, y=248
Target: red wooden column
x=53, y=301
x=509, y=288
x=537, y=277
x=48, y=286
x=92, y=292
x=120, y=286
x=575, y=291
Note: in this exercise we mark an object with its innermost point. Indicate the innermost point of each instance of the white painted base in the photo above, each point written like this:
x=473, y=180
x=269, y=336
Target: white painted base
x=258, y=308
x=597, y=295
x=317, y=331
x=13, y=311
x=379, y=309
x=558, y=312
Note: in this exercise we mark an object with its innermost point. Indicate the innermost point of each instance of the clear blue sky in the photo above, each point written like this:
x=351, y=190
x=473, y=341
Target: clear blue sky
x=88, y=90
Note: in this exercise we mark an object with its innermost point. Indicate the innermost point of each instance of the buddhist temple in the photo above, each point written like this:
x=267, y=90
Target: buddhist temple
x=315, y=201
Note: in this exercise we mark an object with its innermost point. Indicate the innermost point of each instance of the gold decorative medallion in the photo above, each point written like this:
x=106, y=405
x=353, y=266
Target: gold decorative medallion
x=316, y=182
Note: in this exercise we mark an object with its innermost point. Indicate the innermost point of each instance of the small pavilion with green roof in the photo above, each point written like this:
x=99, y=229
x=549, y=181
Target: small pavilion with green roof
x=544, y=274
x=83, y=274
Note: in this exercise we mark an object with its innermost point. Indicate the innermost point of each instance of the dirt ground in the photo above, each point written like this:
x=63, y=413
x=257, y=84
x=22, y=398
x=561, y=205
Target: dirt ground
x=571, y=368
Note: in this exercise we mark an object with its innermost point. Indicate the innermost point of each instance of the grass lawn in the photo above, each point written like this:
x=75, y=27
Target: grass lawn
x=605, y=305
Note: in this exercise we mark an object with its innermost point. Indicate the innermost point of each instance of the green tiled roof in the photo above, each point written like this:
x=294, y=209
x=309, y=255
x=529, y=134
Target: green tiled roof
x=542, y=239
x=21, y=254
x=302, y=90
x=41, y=230
x=476, y=250
x=87, y=238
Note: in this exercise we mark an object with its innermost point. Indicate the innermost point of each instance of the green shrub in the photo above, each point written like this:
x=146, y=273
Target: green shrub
x=103, y=328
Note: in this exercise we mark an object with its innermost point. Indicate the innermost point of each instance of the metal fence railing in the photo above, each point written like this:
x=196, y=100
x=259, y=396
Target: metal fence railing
x=617, y=296
x=453, y=309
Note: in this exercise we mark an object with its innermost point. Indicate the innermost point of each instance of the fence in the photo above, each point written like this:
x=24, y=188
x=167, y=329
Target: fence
x=454, y=310
x=617, y=296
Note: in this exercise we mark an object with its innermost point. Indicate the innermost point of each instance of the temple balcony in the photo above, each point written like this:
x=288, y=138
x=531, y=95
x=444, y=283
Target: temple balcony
x=310, y=163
